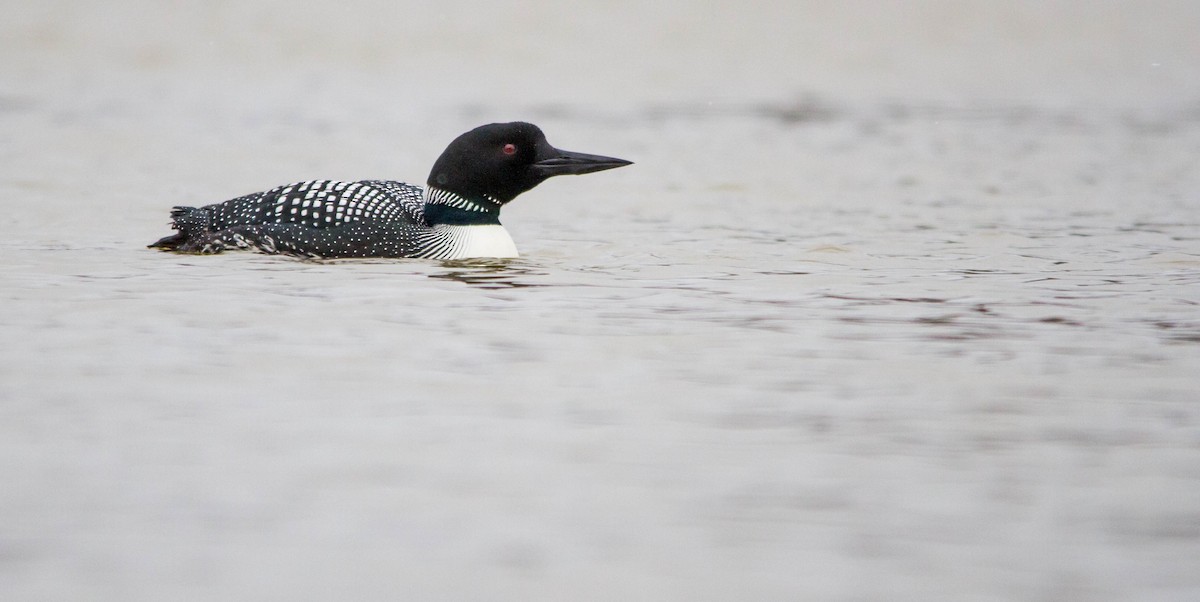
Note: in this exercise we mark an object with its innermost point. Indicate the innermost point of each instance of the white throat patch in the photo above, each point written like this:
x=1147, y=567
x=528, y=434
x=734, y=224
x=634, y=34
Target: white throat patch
x=465, y=242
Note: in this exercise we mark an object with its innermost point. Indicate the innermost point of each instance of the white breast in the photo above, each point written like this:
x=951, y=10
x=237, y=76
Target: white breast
x=477, y=241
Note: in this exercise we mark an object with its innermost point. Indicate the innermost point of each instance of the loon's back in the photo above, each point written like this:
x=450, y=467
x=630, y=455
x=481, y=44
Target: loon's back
x=318, y=218
x=456, y=216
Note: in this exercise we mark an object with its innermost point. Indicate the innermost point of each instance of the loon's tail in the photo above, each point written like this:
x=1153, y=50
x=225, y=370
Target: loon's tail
x=191, y=223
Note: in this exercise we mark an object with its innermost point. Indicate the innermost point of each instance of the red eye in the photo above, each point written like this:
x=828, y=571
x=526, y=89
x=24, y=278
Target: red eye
x=510, y=149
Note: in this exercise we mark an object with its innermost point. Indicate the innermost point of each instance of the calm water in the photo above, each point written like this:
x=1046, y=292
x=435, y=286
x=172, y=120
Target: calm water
x=843, y=346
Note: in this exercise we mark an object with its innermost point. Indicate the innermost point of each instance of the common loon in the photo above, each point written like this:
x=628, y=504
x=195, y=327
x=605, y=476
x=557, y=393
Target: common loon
x=456, y=216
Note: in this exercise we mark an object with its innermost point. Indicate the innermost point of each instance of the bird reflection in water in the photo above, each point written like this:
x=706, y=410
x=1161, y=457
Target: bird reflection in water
x=489, y=273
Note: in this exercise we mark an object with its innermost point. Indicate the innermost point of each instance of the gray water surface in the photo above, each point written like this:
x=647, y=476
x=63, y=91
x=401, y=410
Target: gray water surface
x=831, y=345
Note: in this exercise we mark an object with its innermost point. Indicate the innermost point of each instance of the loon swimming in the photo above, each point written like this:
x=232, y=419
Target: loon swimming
x=456, y=216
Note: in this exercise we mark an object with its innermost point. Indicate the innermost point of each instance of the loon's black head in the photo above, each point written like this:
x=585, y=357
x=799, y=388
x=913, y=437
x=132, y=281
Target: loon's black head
x=501, y=160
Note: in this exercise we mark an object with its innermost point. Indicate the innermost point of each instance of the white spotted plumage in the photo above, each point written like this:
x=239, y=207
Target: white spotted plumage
x=329, y=218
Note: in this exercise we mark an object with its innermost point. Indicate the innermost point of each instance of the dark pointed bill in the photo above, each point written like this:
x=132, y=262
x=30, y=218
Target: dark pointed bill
x=571, y=163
